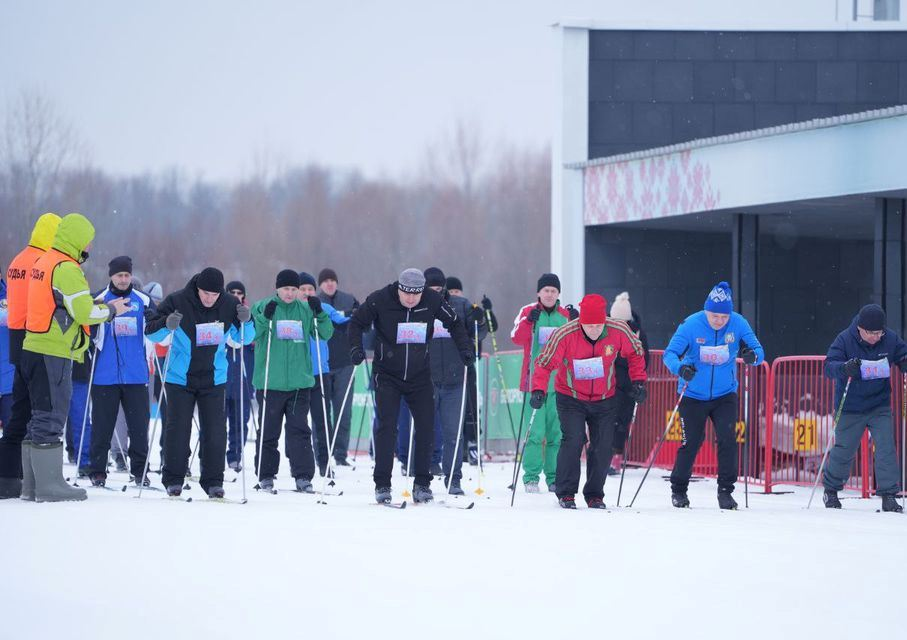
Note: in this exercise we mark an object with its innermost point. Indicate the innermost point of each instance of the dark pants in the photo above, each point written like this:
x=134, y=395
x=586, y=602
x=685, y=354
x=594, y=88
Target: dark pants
x=403, y=422
x=693, y=414
x=77, y=416
x=420, y=399
x=447, y=416
x=6, y=408
x=622, y=418
x=847, y=440
x=181, y=404
x=471, y=419
x=49, y=380
x=337, y=381
x=162, y=402
x=574, y=415
x=292, y=406
x=105, y=405
x=319, y=420
x=238, y=428
x=14, y=430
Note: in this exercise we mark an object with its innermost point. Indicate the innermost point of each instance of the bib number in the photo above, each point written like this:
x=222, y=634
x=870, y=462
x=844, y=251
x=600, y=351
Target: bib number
x=289, y=329
x=589, y=369
x=209, y=333
x=545, y=334
x=440, y=331
x=125, y=327
x=411, y=332
x=714, y=355
x=875, y=369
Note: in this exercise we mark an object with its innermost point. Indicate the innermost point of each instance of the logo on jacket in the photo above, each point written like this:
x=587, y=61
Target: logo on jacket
x=609, y=350
x=729, y=338
x=700, y=340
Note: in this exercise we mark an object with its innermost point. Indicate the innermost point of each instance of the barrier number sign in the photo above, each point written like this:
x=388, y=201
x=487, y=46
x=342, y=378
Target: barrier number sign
x=805, y=435
x=675, y=433
x=741, y=432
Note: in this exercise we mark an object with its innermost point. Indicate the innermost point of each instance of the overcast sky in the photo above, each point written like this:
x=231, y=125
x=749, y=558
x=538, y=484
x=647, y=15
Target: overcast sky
x=209, y=85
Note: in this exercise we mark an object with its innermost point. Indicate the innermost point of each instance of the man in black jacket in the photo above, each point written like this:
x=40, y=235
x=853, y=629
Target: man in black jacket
x=403, y=314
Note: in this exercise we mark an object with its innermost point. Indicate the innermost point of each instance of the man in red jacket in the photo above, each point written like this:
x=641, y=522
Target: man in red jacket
x=583, y=352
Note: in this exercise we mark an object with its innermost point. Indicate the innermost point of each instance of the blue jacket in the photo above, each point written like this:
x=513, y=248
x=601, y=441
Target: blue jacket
x=695, y=343
x=120, y=344
x=863, y=395
x=6, y=369
x=338, y=319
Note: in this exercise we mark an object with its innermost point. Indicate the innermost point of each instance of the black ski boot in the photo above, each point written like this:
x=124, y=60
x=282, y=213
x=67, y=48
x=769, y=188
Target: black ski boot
x=383, y=495
x=680, y=500
x=830, y=498
x=215, y=493
x=567, y=502
x=304, y=486
x=120, y=461
x=422, y=494
x=726, y=501
x=595, y=503
x=455, y=488
x=98, y=479
x=174, y=490
x=142, y=482
x=890, y=503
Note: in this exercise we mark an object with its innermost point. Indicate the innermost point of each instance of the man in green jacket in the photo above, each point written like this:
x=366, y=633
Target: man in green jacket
x=60, y=310
x=283, y=379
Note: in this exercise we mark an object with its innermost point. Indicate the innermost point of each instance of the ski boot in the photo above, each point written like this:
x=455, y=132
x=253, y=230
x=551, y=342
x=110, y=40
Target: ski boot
x=455, y=489
x=98, y=479
x=890, y=504
x=472, y=452
x=567, y=502
x=235, y=466
x=120, y=461
x=422, y=494
x=304, y=486
x=383, y=495
x=552, y=488
x=532, y=487
x=215, y=493
x=341, y=462
x=830, y=499
x=11, y=487
x=680, y=500
x=47, y=465
x=175, y=490
x=142, y=481
x=436, y=469
x=595, y=503
x=266, y=484
x=726, y=501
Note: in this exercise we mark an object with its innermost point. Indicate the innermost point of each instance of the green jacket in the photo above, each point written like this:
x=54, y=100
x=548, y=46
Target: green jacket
x=290, y=367
x=75, y=304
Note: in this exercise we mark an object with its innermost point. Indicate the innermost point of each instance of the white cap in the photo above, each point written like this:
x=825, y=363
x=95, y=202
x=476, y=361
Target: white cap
x=620, y=308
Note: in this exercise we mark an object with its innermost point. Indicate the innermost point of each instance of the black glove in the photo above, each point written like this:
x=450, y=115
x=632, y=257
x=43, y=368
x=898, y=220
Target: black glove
x=476, y=314
x=687, y=372
x=173, y=320
x=747, y=355
x=468, y=357
x=270, y=308
x=638, y=392
x=357, y=355
x=537, y=399
x=315, y=304
x=533, y=316
x=486, y=303
x=852, y=369
x=573, y=311
x=902, y=365
x=243, y=313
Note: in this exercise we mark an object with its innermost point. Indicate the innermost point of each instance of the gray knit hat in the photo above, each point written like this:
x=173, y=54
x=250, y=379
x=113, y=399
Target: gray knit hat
x=411, y=281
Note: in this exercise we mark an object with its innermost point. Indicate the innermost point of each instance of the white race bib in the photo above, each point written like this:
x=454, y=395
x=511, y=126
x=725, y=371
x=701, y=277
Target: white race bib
x=545, y=333
x=289, y=329
x=875, y=369
x=209, y=333
x=714, y=355
x=440, y=331
x=411, y=332
x=589, y=369
x=125, y=326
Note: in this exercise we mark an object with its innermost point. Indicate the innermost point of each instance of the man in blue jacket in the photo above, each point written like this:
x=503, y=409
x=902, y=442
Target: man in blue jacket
x=863, y=353
x=120, y=376
x=703, y=353
x=7, y=369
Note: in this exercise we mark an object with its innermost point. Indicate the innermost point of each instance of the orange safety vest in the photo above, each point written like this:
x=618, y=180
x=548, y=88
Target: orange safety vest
x=17, y=278
x=41, y=301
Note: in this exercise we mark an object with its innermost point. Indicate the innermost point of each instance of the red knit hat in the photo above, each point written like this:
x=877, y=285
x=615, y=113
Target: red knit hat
x=592, y=309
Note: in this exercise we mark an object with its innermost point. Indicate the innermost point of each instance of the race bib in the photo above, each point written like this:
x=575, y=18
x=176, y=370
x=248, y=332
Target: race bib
x=714, y=355
x=125, y=326
x=588, y=369
x=440, y=331
x=411, y=332
x=289, y=329
x=875, y=369
x=209, y=333
x=545, y=333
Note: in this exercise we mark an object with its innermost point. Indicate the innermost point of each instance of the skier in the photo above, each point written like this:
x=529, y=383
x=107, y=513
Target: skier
x=703, y=352
x=621, y=310
x=239, y=374
x=532, y=327
x=403, y=314
x=198, y=318
x=583, y=352
x=121, y=376
x=284, y=381
x=863, y=353
x=17, y=277
x=340, y=364
x=7, y=370
x=60, y=309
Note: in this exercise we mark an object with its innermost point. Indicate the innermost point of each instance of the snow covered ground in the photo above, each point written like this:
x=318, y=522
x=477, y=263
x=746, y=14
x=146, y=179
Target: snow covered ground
x=286, y=567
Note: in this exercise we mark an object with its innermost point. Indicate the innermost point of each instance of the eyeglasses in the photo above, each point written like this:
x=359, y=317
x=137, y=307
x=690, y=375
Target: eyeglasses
x=874, y=334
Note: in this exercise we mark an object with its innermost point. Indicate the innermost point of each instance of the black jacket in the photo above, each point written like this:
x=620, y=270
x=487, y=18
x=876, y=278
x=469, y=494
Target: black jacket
x=446, y=363
x=621, y=366
x=406, y=361
x=339, y=344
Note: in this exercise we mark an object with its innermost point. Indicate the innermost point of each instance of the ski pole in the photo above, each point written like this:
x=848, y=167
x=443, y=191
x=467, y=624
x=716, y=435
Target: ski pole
x=661, y=441
x=361, y=417
x=623, y=463
x=746, y=439
x=264, y=406
x=500, y=367
x=241, y=439
x=409, y=451
x=479, y=490
x=94, y=360
x=157, y=418
x=831, y=440
x=520, y=455
x=346, y=394
x=456, y=451
x=324, y=408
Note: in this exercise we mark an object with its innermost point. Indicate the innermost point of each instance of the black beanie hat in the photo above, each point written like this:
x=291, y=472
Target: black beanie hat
x=210, y=279
x=287, y=278
x=327, y=274
x=871, y=318
x=119, y=265
x=454, y=283
x=306, y=278
x=434, y=277
x=548, y=280
x=236, y=285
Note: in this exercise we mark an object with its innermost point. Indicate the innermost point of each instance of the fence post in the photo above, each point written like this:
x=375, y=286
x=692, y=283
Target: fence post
x=769, y=424
x=864, y=464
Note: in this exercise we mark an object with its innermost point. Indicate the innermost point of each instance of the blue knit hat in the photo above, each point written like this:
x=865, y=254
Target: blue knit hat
x=720, y=299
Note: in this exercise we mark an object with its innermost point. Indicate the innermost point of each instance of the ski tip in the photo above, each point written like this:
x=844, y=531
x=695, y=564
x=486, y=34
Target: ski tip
x=243, y=501
x=188, y=499
x=470, y=505
x=340, y=494
x=403, y=504
x=123, y=489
